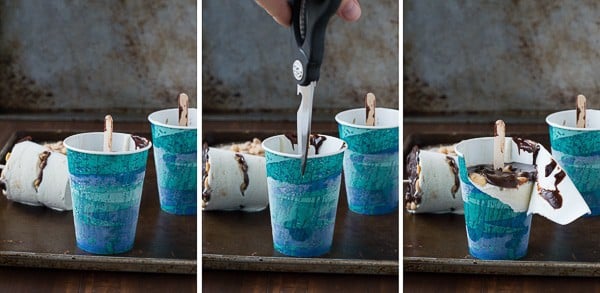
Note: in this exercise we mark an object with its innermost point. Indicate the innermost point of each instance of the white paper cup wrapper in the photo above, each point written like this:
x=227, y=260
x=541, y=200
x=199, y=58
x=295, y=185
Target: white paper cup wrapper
x=22, y=170
x=436, y=186
x=227, y=186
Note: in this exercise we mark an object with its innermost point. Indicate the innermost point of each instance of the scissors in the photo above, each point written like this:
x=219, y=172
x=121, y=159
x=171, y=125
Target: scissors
x=309, y=20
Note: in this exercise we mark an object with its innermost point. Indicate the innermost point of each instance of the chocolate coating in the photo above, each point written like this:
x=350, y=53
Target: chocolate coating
x=244, y=167
x=505, y=179
x=140, y=142
x=527, y=145
x=454, y=169
x=206, y=191
x=412, y=161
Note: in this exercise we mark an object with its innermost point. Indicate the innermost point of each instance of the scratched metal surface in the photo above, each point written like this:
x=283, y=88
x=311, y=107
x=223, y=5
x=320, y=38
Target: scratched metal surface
x=438, y=243
x=246, y=61
x=123, y=56
x=517, y=58
x=40, y=237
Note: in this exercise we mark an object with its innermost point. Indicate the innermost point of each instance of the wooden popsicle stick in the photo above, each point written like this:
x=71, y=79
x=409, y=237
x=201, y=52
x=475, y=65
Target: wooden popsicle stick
x=581, y=111
x=184, y=104
x=108, y=130
x=499, y=135
x=370, y=109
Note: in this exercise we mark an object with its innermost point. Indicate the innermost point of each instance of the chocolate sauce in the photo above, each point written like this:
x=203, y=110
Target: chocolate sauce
x=316, y=140
x=505, y=179
x=43, y=161
x=244, y=167
x=206, y=191
x=454, y=169
x=26, y=138
x=549, y=168
x=527, y=145
x=412, y=162
x=140, y=142
x=553, y=197
x=292, y=138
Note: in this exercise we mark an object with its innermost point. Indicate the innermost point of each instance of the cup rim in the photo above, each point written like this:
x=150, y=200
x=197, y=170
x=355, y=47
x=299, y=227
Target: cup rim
x=552, y=116
x=298, y=156
x=67, y=144
x=345, y=123
x=154, y=121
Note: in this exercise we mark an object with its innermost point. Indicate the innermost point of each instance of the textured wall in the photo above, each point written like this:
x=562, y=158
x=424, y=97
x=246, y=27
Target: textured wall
x=521, y=58
x=86, y=55
x=247, y=58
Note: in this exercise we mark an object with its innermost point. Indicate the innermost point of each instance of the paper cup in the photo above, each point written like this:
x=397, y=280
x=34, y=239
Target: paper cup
x=495, y=229
x=175, y=158
x=106, y=190
x=578, y=151
x=303, y=206
x=371, y=161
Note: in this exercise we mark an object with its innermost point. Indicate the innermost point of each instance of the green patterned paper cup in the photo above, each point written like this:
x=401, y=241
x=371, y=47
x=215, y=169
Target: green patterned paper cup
x=577, y=150
x=371, y=173
x=303, y=206
x=175, y=158
x=106, y=189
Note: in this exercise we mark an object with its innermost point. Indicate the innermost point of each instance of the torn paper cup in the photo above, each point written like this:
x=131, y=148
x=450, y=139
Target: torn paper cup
x=434, y=186
x=233, y=181
x=498, y=219
x=35, y=175
x=578, y=151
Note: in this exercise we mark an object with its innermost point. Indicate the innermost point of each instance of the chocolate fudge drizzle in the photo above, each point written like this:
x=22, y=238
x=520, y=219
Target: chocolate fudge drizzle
x=528, y=146
x=553, y=197
x=316, y=140
x=244, y=167
x=206, y=191
x=140, y=142
x=454, y=169
x=412, y=161
x=505, y=179
x=42, y=162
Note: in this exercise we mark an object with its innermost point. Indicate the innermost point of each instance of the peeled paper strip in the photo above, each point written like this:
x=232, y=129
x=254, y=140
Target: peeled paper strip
x=436, y=188
x=22, y=177
x=529, y=197
x=227, y=186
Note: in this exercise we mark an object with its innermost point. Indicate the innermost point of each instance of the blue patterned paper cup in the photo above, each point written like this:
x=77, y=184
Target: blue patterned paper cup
x=495, y=231
x=371, y=173
x=577, y=150
x=175, y=158
x=106, y=190
x=303, y=207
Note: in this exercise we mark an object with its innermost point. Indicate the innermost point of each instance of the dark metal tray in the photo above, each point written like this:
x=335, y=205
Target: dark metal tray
x=242, y=241
x=44, y=238
x=438, y=242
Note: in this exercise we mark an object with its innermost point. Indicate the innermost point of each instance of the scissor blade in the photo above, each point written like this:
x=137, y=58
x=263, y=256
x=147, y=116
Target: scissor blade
x=303, y=120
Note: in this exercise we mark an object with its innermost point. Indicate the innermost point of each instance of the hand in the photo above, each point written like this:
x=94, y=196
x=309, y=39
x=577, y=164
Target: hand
x=281, y=11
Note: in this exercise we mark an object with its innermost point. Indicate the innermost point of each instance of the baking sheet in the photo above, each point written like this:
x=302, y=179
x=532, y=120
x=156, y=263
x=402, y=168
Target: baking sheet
x=438, y=243
x=41, y=237
x=242, y=241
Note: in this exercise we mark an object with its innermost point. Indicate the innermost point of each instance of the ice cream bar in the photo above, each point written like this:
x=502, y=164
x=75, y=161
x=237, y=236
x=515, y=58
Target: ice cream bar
x=233, y=181
x=434, y=185
x=36, y=175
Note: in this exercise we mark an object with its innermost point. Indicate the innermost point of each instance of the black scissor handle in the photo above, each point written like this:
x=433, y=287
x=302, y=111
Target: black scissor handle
x=309, y=21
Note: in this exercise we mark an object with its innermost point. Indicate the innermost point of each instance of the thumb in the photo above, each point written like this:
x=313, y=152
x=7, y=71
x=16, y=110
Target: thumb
x=349, y=10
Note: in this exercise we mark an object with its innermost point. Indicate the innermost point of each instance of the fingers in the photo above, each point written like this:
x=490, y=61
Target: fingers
x=349, y=10
x=281, y=11
x=278, y=9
